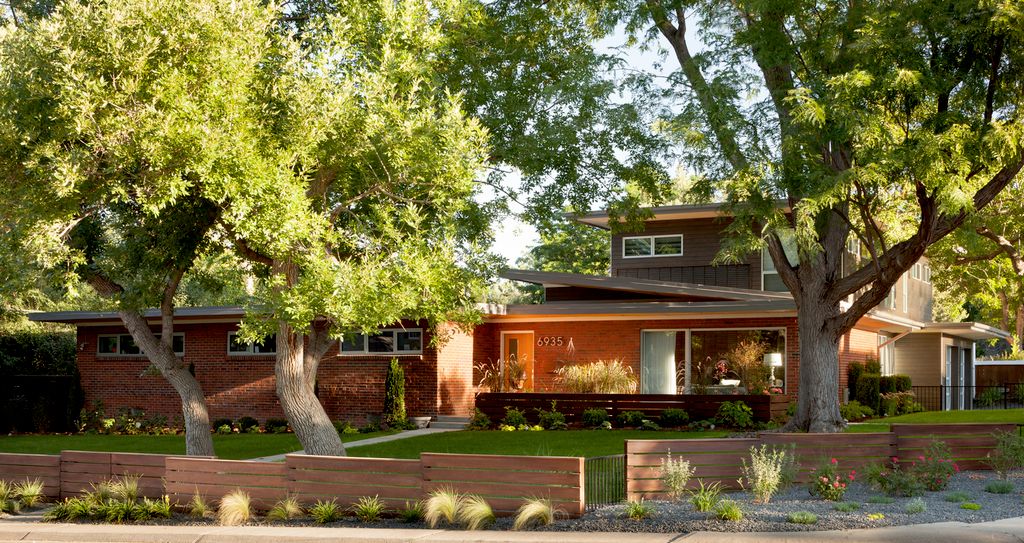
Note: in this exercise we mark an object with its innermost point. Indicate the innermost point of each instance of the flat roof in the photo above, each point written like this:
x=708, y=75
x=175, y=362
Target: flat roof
x=81, y=317
x=970, y=330
x=644, y=286
x=787, y=307
x=601, y=219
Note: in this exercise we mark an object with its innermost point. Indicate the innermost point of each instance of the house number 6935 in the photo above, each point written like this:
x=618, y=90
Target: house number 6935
x=550, y=341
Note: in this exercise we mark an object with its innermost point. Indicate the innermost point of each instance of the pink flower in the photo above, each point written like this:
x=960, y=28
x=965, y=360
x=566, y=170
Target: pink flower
x=835, y=484
x=834, y=461
x=921, y=458
x=850, y=476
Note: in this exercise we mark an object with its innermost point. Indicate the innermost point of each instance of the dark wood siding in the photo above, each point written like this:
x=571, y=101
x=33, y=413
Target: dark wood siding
x=737, y=276
x=568, y=294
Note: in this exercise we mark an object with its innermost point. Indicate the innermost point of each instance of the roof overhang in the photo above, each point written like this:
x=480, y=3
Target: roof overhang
x=645, y=286
x=105, y=318
x=584, y=311
x=882, y=321
x=602, y=219
x=975, y=331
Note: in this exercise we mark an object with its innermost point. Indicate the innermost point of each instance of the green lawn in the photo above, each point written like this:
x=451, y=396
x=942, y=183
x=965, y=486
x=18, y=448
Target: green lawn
x=550, y=443
x=1013, y=416
x=234, y=446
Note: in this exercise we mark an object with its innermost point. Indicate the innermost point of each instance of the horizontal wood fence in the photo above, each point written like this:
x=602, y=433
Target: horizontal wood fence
x=721, y=460
x=504, y=481
x=698, y=406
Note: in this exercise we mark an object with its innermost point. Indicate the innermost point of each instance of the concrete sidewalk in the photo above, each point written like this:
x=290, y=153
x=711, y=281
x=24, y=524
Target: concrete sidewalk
x=1007, y=530
x=362, y=442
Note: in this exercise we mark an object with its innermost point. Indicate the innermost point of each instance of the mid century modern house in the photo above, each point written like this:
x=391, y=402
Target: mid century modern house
x=663, y=310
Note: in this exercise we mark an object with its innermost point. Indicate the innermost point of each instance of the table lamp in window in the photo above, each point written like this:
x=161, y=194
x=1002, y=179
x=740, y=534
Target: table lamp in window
x=774, y=360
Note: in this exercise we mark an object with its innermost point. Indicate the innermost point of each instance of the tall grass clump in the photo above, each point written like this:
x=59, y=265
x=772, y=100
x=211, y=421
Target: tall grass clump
x=601, y=377
x=728, y=510
x=764, y=473
x=475, y=513
x=442, y=505
x=412, y=512
x=638, y=510
x=9, y=502
x=535, y=512
x=368, y=509
x=126, y=488
x=286, y=509
x=235, y=508
x=29, y=493
x=198, y=507
x=705, y=498
x=675, y=473
x=325, y=512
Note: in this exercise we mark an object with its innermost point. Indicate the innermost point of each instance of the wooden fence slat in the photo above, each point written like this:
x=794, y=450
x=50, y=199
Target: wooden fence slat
x=307, y=489
x=342, y=463
x=43, y=460
x=524, y=477
x=488, y=461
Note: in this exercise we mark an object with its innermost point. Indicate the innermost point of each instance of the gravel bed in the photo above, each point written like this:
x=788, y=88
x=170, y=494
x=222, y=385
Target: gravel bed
x=680, y=517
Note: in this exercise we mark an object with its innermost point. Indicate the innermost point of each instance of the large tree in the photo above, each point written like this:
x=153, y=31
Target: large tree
x=887, y=124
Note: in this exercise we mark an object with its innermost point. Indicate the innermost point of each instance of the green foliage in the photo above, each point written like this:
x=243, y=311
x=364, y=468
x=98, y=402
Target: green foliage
x=245, y=424
x=601, y=377
x=915, y=506
x=276, y=426
x=649, y=425
x=705, y=497
x=551, y=420
x=1008, y=453
x=899, y=403
x=198, y=507
x=412, y=512
x=344, y=427
x=286, y=509
x=935, y=467
x=728, y=510
x=368, y=509
x=892, y=479
x=675, y=473
x=854, y=411
x=479, y=421
x=763, y=475
x=324, y=512
x=989, y=396
x=1000, y=487
x=29, y=493
x=970, y=506
x=638, y=510
x=594, y=418
x=514, y=417
x=853, y=373
x=394, y=395
x=674, y=418
x=224, y=429
x=846, y=507
x=957, y=497
x=894, y=383
x=802, y=517
x=37, y=351
x=868, y=391
x=828, y=483
x=735, y=415
x=631, y=419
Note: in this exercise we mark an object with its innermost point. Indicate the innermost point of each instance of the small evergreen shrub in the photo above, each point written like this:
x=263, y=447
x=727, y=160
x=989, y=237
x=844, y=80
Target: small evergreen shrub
x=594, y=418
x=394, y=395
x=894, y=383
x=802, y=517
x=854, y=411
x=551, y=420
x=344, y=427
x=217, y=423
x=276, y=426
x=479, y=421
x=868, y=393
x=893, y=480
x=735, y=415
x=514, y=417
x=224, y=429
x=638, y=510
x=999, y=487
x=246, y=423
x=674, y=418
x=915, y=506
x=631, y=419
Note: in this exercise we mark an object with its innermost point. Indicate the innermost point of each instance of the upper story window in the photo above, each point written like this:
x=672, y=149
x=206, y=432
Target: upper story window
x=890, y=301
x=770, y=279
x=646, y=246
x=124, y=344
x=392, y=341
x=238, y=347
x=922, y=272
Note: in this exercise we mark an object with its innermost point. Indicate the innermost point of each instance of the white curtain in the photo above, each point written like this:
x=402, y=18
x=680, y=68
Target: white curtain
x=658, y=363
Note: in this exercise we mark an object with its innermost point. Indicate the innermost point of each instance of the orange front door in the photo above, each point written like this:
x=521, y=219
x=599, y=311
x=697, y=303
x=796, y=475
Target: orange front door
x=517, y=358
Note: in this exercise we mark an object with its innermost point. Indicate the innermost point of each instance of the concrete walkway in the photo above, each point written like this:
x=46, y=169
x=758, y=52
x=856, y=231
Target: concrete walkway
x=371, y=441
x=1007, y=530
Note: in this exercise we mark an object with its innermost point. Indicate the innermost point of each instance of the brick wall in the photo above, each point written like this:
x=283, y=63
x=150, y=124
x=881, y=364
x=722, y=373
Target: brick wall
x=856, y=346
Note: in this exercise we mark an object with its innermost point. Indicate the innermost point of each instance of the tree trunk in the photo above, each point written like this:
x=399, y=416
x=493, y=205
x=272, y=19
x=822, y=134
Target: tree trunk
x=198, y=441
x=1019, y=328
x=302, y=408
x=817, y=401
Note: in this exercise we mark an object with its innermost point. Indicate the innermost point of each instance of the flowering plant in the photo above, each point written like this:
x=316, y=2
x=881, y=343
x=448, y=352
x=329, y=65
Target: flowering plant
x=828, y=483
x=893, y=480
x=721, y=370
x=935, y=467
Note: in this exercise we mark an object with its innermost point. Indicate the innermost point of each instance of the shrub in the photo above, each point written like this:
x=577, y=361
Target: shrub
x=370, y=427
x=676, y=474
x=900, y=403
x=649, y=425
x=970, y=506
x=881, y=500
x=999, y=487
x=217, y=423
x=394, y=395
x=705, y=498
x=198, y=507
x=247, y=423
x=412, y=512
x=894, y=383
x=235, y=508
x=853, y=372
x=514, y=417
x=735, y=414
x=479, y=421
x=957, y=497
x=551, y=420
x=631, y=419
x=935, y=467
x=638, y=510
x=674, y=418
x=868, y=393
x=475, y=513
x=442, y=504
x=156, y=508
x=728, y=510
x=593, y=418
x=854, y=411
x=764, y=473
x=276, y=426
x=324, y=512
x=126, y=488
x=989, y=397
x=802, y=517
x=828, y=484
x=892, y=479
x=600, y=377
x=535, y=512
x=285, y=509
x=915, y=506
x=224, y=429
x=29, y=493
x=1008, y=454
x=846, y=507
x=368, y=509
x=8, y=499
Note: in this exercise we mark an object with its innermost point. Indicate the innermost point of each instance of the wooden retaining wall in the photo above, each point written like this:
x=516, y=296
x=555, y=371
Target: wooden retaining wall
x=265, y=482
x=505, y=481
x=721, y=459
x=15, y=468
x=346, y=479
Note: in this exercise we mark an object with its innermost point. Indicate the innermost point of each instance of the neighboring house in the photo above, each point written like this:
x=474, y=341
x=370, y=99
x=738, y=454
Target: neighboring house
x=665, y=310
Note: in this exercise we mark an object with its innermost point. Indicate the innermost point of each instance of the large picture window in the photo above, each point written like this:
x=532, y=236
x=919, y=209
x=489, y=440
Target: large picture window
x=645, y=246
x=238, y=347
x=392, y=341
x=124, y=344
